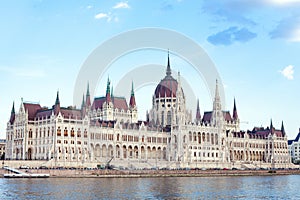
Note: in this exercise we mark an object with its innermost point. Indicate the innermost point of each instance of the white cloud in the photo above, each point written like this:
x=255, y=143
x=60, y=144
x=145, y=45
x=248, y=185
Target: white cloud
x=89, y=7
x=283, y=2
x=295, y=35
x=106, y=16
x=288, y=72
x=101, y=16
x=121, y=5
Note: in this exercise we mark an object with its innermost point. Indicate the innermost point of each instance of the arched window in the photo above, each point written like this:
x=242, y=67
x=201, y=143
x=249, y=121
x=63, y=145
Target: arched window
x=66, y=132
x=30, y=133
x=72, y=132
x=58, y=131
x=162, y=118
x=169, y=118
x=78, y=133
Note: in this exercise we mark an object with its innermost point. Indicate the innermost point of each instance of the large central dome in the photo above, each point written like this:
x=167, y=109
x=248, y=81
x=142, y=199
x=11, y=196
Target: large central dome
x=167, y=86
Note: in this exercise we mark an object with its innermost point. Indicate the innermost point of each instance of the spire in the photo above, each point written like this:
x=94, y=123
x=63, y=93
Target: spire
x=13, y=108
x=168, y=72
x=88, y=89
x=132, y=103
x=217, y=102
x=282, y=130
x=217, y=95
x=112, y=92
x=235, y=114
x=88, y=96
x=83, y=107
x=12, y=115
x=83, y=102
x=271, y=127
x=57, y=104
x=57, y=98
x=132, y=90
x=108, y=91
x=198, y=115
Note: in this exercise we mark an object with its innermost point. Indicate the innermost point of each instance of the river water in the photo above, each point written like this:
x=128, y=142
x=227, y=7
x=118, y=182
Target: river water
x=241, y=187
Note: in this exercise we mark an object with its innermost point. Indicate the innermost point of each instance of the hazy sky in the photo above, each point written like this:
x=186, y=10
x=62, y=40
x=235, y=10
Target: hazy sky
x=255, y=45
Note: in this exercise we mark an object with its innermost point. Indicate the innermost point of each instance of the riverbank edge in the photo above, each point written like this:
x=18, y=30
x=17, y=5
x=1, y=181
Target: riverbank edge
x=159, y=173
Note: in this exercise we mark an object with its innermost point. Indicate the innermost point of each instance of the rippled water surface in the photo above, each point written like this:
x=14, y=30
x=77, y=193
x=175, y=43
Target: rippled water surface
x=250, y=187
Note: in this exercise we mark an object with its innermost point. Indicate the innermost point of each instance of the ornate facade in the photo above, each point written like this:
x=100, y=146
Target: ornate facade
x=294, y=149
x=108, y=128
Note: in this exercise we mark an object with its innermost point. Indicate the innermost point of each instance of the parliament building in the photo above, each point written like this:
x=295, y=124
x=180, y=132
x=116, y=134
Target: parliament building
x=107, y=128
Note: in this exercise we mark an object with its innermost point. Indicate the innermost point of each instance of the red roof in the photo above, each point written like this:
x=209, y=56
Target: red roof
x=227, y=116
x=167, y=87
x=208, y=115
x=98, y=102
x=70, y=113
x=44, y=113
x=12, y=118
x=265, y=132
x=32, y=109
x=119, y=102
x=132, y=101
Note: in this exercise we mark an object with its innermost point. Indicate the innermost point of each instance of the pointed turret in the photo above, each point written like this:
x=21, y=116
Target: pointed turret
x=282, y=130
x=88, y=96
x=83, y=106
x=198, y=114
x=108, y=99
x=57, y=104
x=57, y=101
x=217, y=102
x=271, y=127
x=132, y=103
x=112, y=92
x=83, y=102
x=168, y=72
x=12, y=114
x=13, y=108
x=217, y=95
x=217, y=117
x=147, y=116
x=234, y=114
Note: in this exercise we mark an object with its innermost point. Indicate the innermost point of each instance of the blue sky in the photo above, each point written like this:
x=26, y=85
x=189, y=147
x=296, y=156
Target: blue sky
x=254, y=44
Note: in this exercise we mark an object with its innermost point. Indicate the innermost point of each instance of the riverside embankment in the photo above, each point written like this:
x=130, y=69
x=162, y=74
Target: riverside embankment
x=77, y=173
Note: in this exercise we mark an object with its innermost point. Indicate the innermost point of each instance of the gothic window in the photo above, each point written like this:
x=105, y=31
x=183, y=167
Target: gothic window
x=78, y=133
x=169, y=118
x=30, y=133
x=72, y=132
x=162, y=117
x=66, y=132
x=58, y=131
